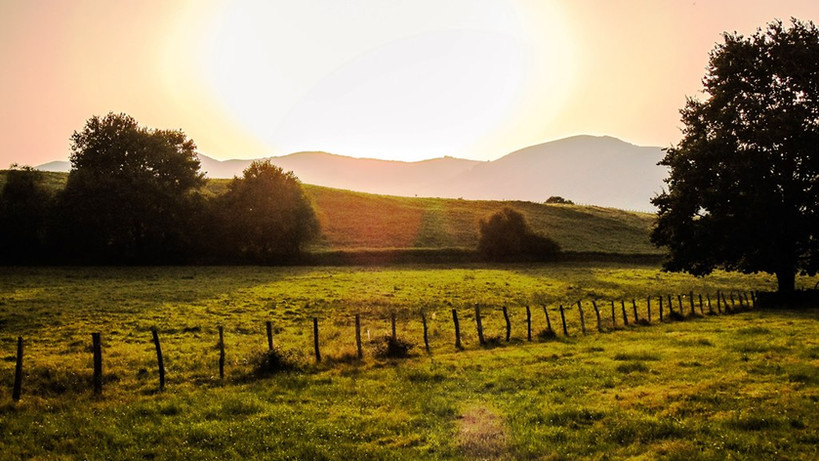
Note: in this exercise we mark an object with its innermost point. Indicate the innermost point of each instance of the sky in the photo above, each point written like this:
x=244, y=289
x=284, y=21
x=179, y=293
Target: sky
x=392, y=79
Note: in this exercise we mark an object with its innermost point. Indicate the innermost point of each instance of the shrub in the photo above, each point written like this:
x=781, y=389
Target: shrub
x=392, y=348
x=506, y=235
x=273, y=361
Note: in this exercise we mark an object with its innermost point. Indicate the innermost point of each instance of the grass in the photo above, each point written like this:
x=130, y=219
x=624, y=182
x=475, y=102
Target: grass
x=714, y=387
x=360, y=221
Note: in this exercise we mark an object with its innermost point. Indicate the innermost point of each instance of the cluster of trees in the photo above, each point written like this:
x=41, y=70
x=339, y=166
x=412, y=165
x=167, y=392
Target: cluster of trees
x=135, y=196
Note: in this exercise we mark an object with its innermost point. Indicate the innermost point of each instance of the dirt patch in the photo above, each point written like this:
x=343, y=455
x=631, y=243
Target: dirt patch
x=481, y=434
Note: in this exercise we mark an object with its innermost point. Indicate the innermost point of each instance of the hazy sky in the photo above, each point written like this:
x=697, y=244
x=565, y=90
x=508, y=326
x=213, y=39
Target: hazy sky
x=407, y=80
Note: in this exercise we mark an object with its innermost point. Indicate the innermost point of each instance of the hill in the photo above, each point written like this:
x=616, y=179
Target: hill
x=598, y=170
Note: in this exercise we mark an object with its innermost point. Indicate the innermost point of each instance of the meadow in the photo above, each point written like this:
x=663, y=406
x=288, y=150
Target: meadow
x=709, y=387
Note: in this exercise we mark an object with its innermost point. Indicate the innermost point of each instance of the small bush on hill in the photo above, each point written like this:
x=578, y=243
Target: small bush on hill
x=559, y=199
x=388, y=347
x=273, y=361
x=507, y=236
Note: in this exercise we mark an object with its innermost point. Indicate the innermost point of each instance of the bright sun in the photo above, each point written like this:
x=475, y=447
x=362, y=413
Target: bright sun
x=401, y=80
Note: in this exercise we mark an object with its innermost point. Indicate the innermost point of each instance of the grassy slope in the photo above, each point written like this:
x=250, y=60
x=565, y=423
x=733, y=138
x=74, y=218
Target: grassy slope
x=741, y=386
x=354, y=220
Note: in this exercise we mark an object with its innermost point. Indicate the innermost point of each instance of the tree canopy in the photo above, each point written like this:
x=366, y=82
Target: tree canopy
x=507, y=236
x=24, y=210
x=265, y=215
x=130, y=192
x=744, y=180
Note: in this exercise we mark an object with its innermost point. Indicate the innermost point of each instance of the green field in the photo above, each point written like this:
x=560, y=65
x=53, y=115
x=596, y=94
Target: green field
x=738, y=386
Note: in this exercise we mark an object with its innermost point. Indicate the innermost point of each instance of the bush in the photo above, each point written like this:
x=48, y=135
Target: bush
x=392, y=348
x=507, y=236
x=273, y=361
x=559, y=199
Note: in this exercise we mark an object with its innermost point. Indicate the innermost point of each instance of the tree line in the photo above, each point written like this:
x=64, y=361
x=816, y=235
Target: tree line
x=135, y=195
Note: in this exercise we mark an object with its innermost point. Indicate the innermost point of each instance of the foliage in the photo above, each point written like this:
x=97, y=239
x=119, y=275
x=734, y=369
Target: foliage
x=265, y=215
x=387, y=347
x=25, y=206
x=131, y=193
x=273, y=361
x=743, y=186
x=506, y=235
x=559, y=199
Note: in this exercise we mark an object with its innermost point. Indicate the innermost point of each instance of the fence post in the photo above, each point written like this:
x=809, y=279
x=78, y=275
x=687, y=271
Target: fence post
x=597, y=313
x=392, y=325
x=719, y=306
x=563, y=319
x=661, y=308
x=508, y=323
x=613, y=316
x=528, y=323
x=426, y=336
x=682, y=311
x=97, y=347
x=359, y=349
x=221, y=352
x=634, y=308
x=670, y=307
x=648, y=307
x=479, y=324
x=733, y=304
x=582, y=317
x=316, y=339
x=710, y=308
x=269, y=327
x=548, y=320
x=753, y=299
x=625, y=315
x=18, y=371
x=702, y=312
x=160, y=363
x=457, y=329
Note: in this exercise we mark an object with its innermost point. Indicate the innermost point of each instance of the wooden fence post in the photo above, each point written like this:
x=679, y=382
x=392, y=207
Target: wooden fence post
x=597, y=314
x=719, y=306
x=392, y=325
x=753, y=299
x=710, y=308
x=548, y=320
x=479, y=324
x=634, y=308
x=221, y=352
x=733, y=304
x=97, y=347
x=508, y=323
x=670, y=306
x=682, y=310
x=316, y=339
x=426, y=336
x=269, y=327
x=648, y=308
x=18, y=372
x=160, y=363
x=563, y=319
x=358, y=348
x=702, y=312
x=691, y=301
x=457, y=329
x=661, y=308
x=625, y=315
x=582, y=317
x=528, y=324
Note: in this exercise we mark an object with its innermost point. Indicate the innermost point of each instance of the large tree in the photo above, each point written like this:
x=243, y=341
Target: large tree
x=25, y=204
x=743, y=190
x=265, y=215
x=131, y=193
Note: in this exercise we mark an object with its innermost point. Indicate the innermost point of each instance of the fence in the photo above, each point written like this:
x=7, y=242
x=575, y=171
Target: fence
x=651, y=310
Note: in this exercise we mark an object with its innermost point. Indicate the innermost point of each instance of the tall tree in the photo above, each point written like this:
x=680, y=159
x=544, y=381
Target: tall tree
x=25, y=204
x=130, y=194
x=265, y=215
x=744, y=180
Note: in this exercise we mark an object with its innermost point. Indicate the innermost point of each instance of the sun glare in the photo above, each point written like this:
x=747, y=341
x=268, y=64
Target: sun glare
x=385, y=79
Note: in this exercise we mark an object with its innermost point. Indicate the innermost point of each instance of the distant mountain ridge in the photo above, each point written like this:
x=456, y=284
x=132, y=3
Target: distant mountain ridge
x=598, y=170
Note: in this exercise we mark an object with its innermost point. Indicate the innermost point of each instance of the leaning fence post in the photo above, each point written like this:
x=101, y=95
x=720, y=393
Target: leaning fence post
x=702, y=312
x=160, y=363
x=679, y=300
x=269, y=327
x=613, y=316
x=508, y=323
x=634, y=307
x=18, y=371
x=316, y=339
x=97, y=347
x=479, y=324
x=221, y=352
x=548, y=320
x=719, y=305
x=457, y=329
x=392, y=325
x=358, y=347
x=691, y=301
x=733, y=304
x=426, y=336
x=582, y=317
x=528, y=323
x=648, y=307
x=625, y=316
x=597, y=313
x=563, y=319
x=710, y=308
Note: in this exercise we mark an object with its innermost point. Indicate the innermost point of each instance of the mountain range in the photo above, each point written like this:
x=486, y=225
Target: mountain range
x=594, y=170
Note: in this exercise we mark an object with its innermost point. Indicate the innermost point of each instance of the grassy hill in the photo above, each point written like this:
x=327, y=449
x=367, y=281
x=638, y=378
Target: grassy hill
x=358, y=221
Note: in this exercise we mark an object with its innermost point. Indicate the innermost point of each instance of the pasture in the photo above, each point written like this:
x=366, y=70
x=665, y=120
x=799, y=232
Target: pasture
x=709, y=387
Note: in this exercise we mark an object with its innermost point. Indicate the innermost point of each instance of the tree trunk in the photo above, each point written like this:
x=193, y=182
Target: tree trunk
x=786, y=280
